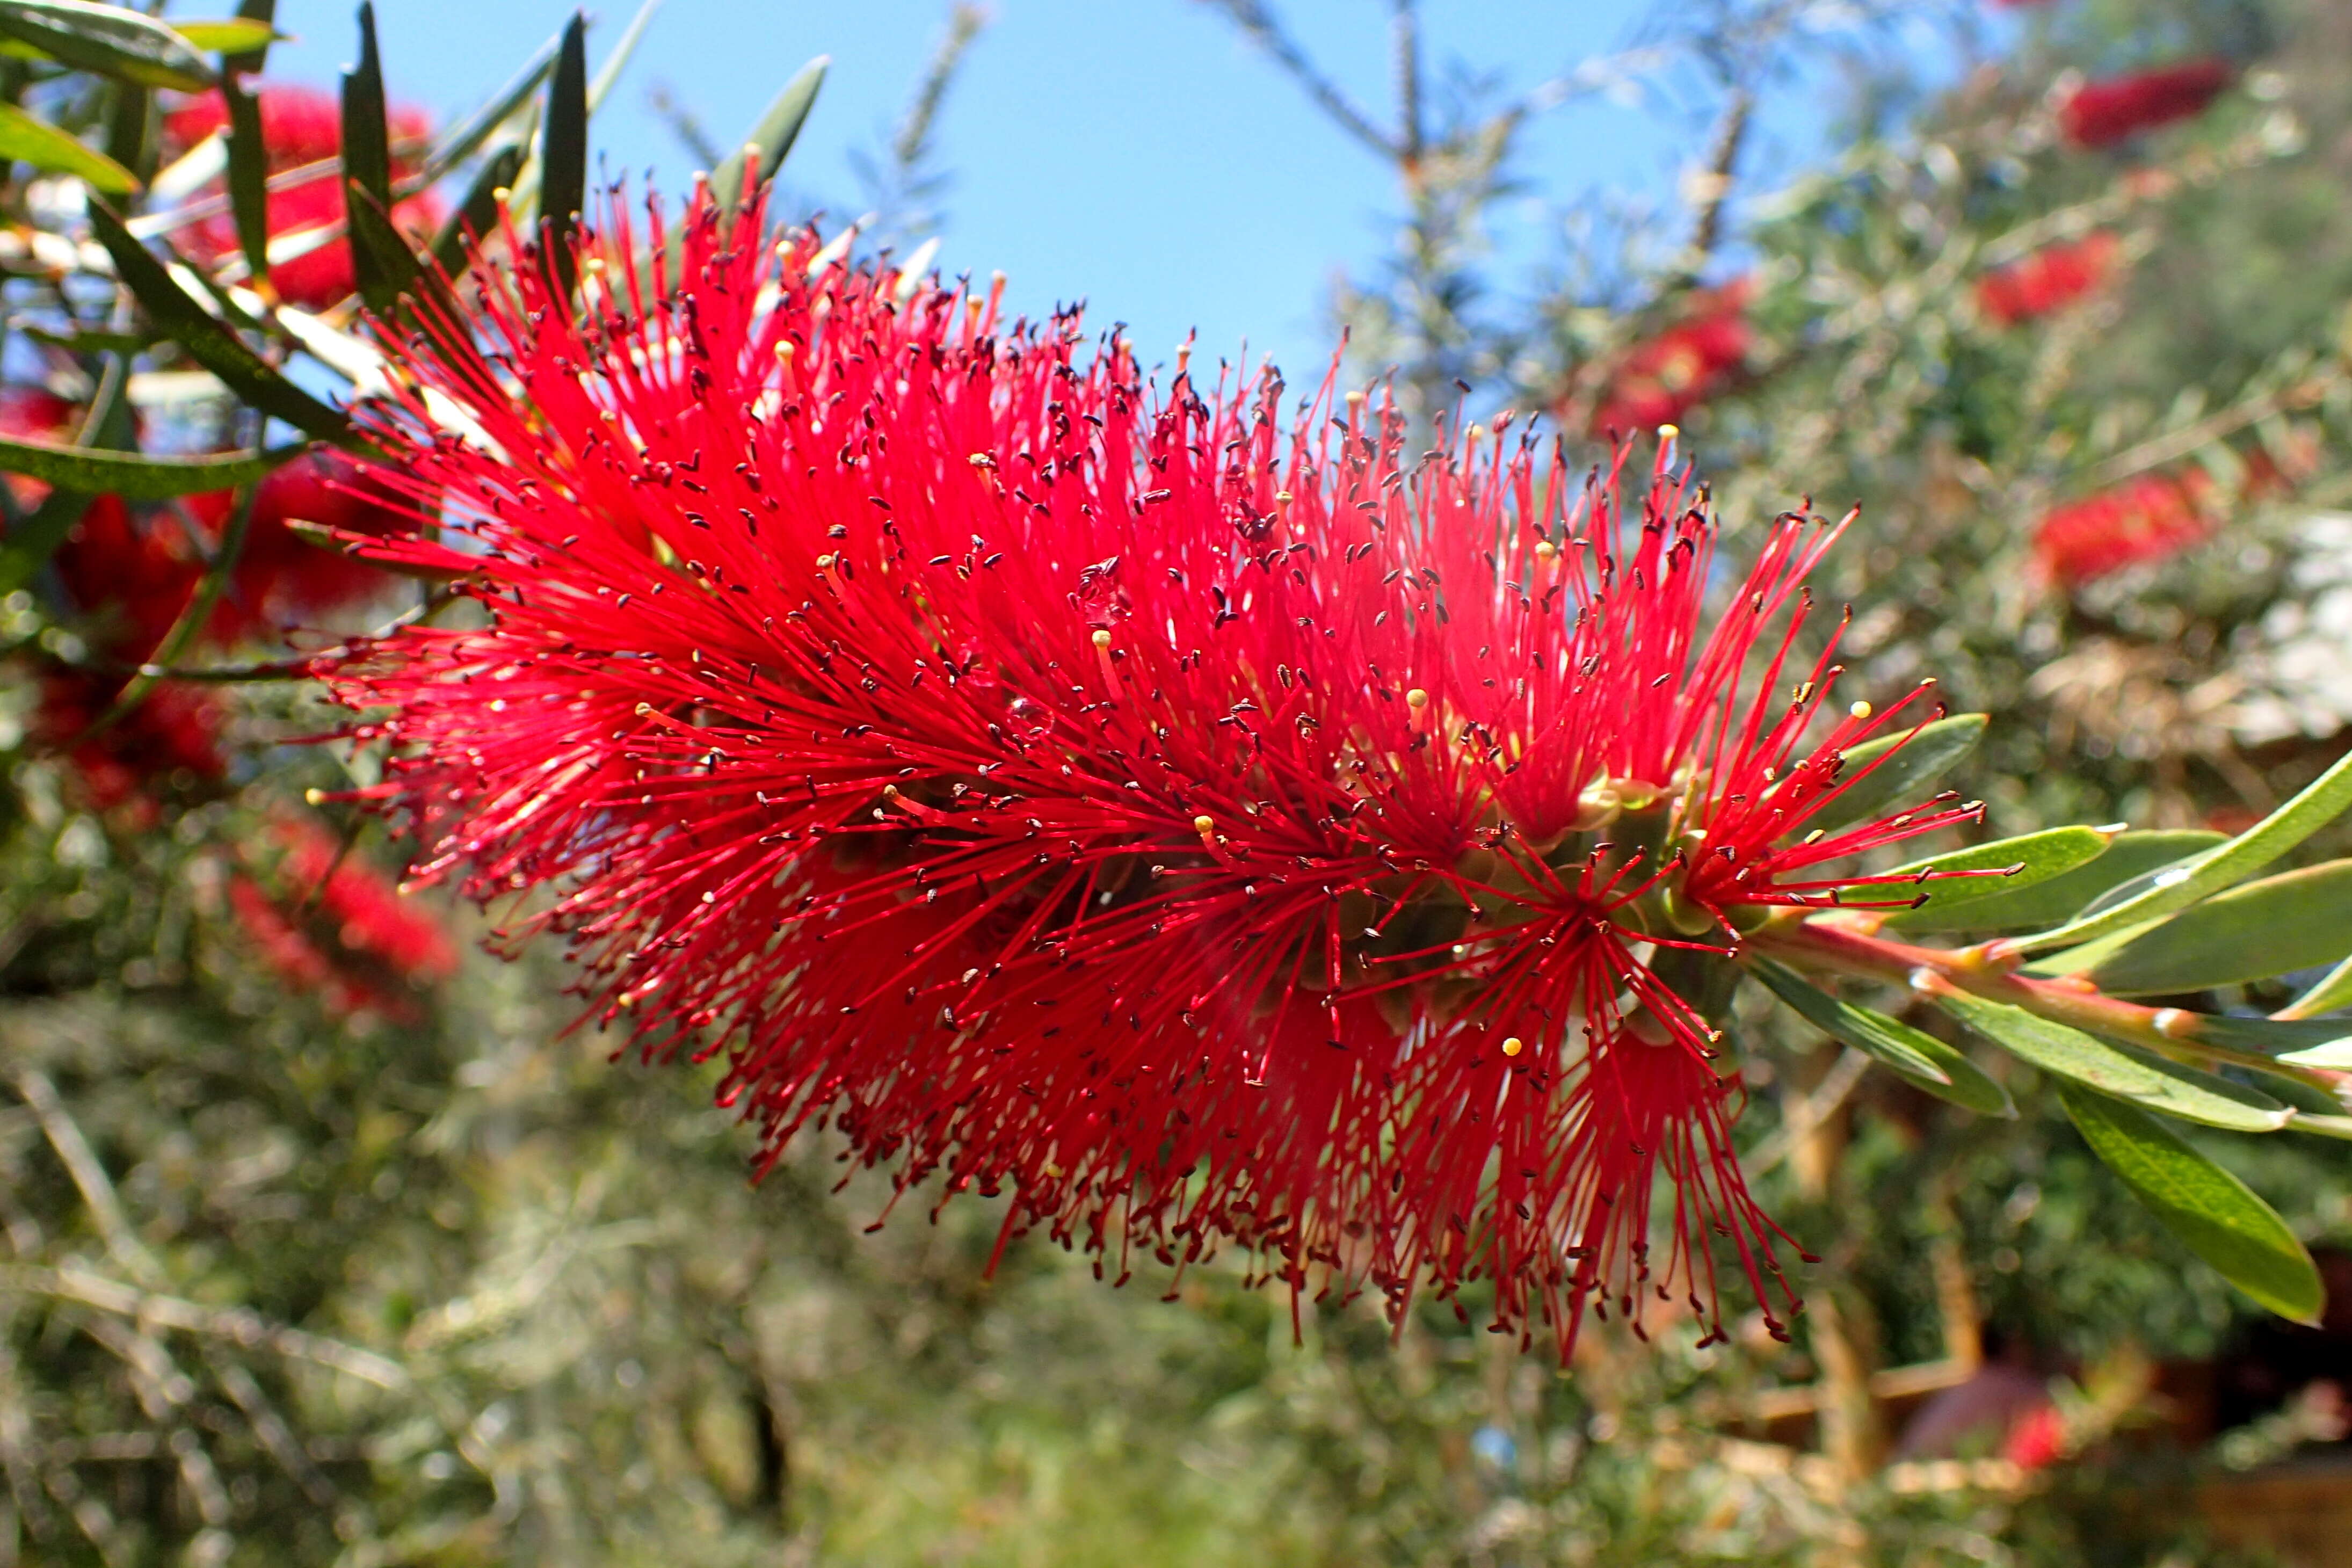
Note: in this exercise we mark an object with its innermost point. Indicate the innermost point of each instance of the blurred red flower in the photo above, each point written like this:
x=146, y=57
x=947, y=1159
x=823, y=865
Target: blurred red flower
x=2146, y=518
x=1658, y=381
x=2049, y=280
x=328, y=922
x=2101, y=113
x=302, y=126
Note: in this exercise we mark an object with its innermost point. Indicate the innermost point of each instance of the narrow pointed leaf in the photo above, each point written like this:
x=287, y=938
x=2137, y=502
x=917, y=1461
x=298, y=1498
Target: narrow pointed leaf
x=2298, y=920
x=1952, y=901
x=2333, y=991
x=177, y=315
x=132, y=133
x=391, y=268
x=2066, y=895
x=564, y=154
x=1918, y=757
x=1916, y=1055
x=228, y=35
x=2218, y=1217
x=35, y=142
x=2285, y=1039
x=772, y=137
x=111, y=40
x=2115, y=1069
x=2224, y=865
x=367, y=166
x=250, y=59
x=248, y=176
x=132, y=475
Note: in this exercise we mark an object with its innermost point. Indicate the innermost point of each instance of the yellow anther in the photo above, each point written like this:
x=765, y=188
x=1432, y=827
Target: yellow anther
x=1860, y=709
x=315, y=796
x=1668, y=432
x=824, y=563
x=1546, y=550
x=1512, y=1045
x=503, y=195
x=595, y=266
x=1204, y=824
x=1102, y=639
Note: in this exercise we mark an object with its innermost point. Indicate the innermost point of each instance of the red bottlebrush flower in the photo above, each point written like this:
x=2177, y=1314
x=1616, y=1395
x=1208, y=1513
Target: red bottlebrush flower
x=2146, y=518
x=2037, y=1440
x=1203, y=832
x=1660, y=380
x=280, y=577
x=330, y=925
x=174, y=729
x=2101, y=113
x=303, y=126
x=2048, y=279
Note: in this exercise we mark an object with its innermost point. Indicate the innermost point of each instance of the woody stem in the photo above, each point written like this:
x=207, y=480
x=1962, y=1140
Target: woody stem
x=1838, y=947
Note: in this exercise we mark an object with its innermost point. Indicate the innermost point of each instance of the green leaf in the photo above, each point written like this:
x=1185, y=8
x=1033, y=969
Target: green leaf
x=132, y=475
x=477, y=214
x=1917, y=1055
x=2119, y=1070
x=391, y=268
x=113, y=41
x=563, y=154
x=249, y=176
x=2268, y=1037
x=2224, y=865
x=212, y=345
x=230, y=35
x=2298, y=920
x=251, y=59
x=2068, y=894
x=2217, y=1215
x=2333, y=991
x=1913, y=760
x=471, y=134
x=772, y=137
x=367, y=175
x=1952, y=901
x=43, y=145
x=130, y=130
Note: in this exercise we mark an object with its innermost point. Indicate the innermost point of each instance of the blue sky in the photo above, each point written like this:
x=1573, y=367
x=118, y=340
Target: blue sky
x=1136, y=153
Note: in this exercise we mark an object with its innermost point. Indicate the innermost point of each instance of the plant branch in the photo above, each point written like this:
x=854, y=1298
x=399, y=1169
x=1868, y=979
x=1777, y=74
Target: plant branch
x=1254, y=20
x=1846, y=949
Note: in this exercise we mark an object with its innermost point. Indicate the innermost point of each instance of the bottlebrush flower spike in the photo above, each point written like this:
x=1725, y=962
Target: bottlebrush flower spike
x=1665, y=377
x=1200, y=829
x=2148, y=518
x=326, y=921
x=2101, y=113
x=302, y=127
x=2048, y=281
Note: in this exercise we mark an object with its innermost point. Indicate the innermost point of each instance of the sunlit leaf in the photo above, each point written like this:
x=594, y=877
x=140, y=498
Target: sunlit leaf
x=2298, y=920
x=45, y=147
x=1917, y=1055
x=2068, y=894
x=113, y=41
x=771, y=139
x=132, y=475
x=2115, y=1069
x=2036, y=858
x=2225, y=866
x=2219, y=1218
